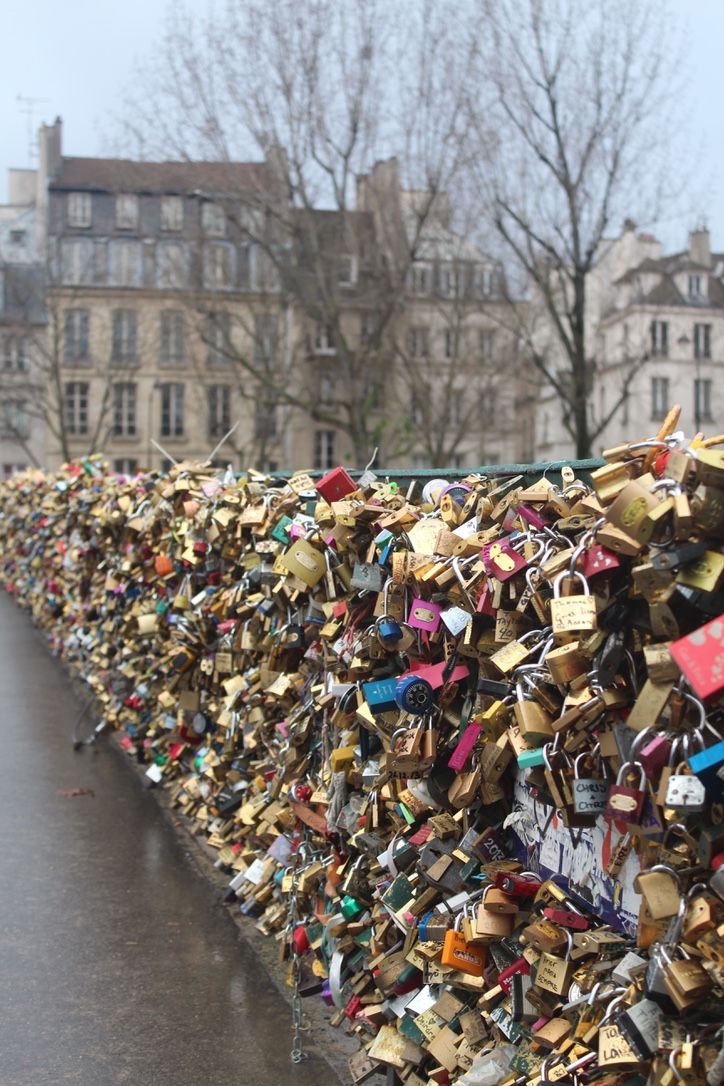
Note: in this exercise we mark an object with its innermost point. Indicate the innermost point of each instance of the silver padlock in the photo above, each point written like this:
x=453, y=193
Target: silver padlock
x=589, y=793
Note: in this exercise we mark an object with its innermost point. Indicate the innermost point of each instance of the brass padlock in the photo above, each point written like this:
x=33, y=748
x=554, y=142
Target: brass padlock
x=661, y=888
x=491, y=925
x=554, y=973
x=572, y=614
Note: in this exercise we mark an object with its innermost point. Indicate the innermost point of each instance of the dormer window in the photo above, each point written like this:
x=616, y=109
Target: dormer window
x=696, y=286
x=347, y=271
x=78, y=209
x=126, y=211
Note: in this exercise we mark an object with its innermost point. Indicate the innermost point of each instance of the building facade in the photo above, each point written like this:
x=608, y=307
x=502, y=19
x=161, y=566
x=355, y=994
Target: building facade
x=22, y=322
x=185, y=300
x=655, y=328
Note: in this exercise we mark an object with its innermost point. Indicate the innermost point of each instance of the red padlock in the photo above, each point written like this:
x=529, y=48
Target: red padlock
x=566, y=918
x=626, y=803
x=522, y=884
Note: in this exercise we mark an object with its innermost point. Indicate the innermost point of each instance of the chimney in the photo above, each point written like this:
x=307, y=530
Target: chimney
x=699, y=249
x=50, y=152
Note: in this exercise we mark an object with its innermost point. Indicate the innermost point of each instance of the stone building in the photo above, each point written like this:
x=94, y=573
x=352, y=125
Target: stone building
x=22, y=321
x=187, y=298
x=656, y=330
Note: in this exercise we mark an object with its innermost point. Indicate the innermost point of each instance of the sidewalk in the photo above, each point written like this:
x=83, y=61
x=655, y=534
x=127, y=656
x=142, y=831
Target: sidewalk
x=117, y=964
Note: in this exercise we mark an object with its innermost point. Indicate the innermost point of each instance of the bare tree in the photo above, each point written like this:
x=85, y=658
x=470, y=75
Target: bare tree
x=580, y=95
x=321, y=90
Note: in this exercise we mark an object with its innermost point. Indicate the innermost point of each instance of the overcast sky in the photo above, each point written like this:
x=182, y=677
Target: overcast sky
x=77, y=56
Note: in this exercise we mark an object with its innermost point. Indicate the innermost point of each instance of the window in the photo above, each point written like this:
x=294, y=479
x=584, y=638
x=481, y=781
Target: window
x=15, y=353
x=126, y=211
x=659, y=397
x=219, y=410
x=10, y=469
x=347, y=270
x=75, y=340
x=78, y=208
x=171, y=264
x=484, y=281
x=18, y=237
x=266, y=332
x=172, y=212
x=418, y=399
x=124, y=335
x=124, y=409
x=486, y=342
x=324, y=456
x=76, y=407
x=695, y=286
x=702, y=341
x=266, y=415
x=451, y=343
x=702, y=401
x=213, y=220
x=420, y=278
x=325, y=391
x=76, y=261
x=14, y=419
x=172, y=410
x=172, y=337
x=218, y=339
x=125, y=263
x=418, y=341
x=487, y=407
x=660, y=339
x=454, y=410
x=323, y=339
x=125, y=466
x=449, y=280
x=218, y=266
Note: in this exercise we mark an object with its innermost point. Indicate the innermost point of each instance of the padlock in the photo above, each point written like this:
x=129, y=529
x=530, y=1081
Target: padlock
x=405, y=755
x=553, y=973
x=639, y=1024
x=414, y=695
x=491, y=924
x=424, y=615
x=335, y=485
x=305, y=561
x=708, y=766
x=685, y=979
x=685, y=792
x=590, y=794
x=699, y=916
x=625, y=803
x=544, y=936
x=613, y=1048
x=572, y=614
x=458, y=954
x=661, y=888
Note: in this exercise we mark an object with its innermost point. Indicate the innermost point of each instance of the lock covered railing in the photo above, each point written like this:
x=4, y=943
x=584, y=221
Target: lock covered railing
x=459, y=749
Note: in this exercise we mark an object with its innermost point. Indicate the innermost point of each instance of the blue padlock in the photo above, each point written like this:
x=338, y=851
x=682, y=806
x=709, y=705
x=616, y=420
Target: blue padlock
x=415, y=695
x=708, y=766
x=381, y=695
x=389, y=631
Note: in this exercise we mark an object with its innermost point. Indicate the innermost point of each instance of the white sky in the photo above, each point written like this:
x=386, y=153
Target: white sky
x=77, y=56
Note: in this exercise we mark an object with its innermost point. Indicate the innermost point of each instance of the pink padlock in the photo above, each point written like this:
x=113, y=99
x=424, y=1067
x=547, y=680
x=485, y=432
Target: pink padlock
x=424, y=615
x=464, y=747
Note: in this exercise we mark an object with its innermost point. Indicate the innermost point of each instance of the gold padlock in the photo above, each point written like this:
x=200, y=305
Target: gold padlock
x=554, y=973
x=572, y=614
x=661, y=888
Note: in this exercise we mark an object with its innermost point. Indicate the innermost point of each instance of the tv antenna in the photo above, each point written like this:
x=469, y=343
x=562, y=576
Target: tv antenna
x=27, y=106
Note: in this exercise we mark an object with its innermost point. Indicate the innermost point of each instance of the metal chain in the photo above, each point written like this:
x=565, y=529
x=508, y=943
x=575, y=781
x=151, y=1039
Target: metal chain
x=299, y=1023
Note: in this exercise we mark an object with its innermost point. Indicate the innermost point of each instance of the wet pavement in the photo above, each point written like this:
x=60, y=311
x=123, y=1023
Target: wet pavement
x=116, y=963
